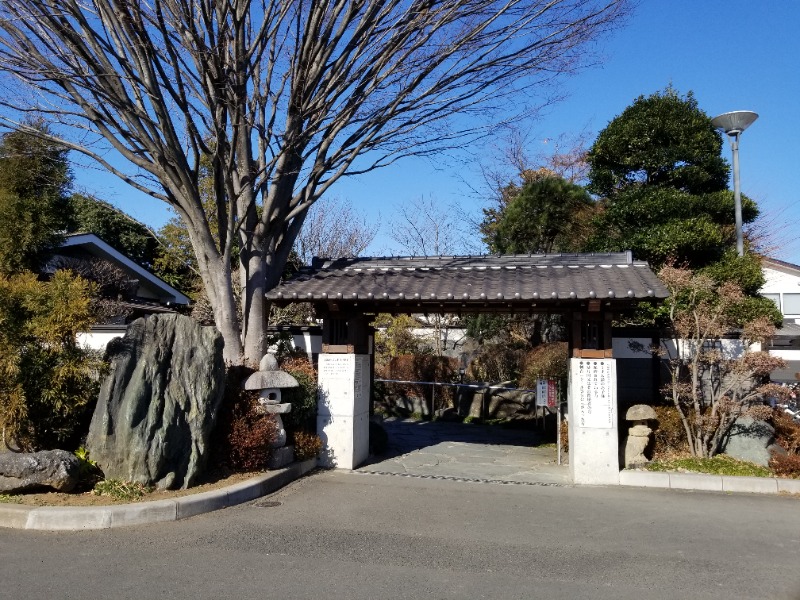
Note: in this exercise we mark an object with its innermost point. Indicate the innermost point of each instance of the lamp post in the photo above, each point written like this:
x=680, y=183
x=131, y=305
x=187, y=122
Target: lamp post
x=733, y=124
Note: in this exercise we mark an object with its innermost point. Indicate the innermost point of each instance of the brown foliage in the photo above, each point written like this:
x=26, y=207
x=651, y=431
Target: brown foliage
x=708, y=385
x=787, y=432
x=565, y=436
x=496, y=363
x=546, y=361
x=306, y=445
x=304, y=397
x=422, y=367
x=243, y=434
x=670, y=437
x=785, y=465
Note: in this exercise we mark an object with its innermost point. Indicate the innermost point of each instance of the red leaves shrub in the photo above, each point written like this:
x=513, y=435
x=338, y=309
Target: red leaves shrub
x=422, y=367
x=785, y=465
x=787, y=432
x=306, y=445
x=243, y=434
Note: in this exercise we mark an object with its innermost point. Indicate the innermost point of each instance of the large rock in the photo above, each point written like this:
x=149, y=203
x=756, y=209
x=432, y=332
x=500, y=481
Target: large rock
x=159, y=402
x=56, y=469
x=749, y=439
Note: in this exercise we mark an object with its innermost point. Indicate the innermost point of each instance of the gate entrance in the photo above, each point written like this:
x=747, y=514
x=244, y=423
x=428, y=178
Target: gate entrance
x=589, y=290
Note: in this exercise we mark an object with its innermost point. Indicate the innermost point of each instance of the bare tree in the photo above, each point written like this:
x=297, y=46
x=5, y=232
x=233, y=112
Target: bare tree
x=284, y=96
x=426, y=227
x=334, y=230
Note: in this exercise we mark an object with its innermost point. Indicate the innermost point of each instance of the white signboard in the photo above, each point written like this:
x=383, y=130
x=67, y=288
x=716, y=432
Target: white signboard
x=343, y=384
x=593, y=382
x=541, y=392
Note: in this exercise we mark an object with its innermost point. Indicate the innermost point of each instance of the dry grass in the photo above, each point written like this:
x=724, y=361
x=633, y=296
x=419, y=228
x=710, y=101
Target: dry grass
x=213, y=482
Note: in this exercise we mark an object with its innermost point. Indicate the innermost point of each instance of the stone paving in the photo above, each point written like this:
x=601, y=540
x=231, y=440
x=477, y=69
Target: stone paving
x=467, y=451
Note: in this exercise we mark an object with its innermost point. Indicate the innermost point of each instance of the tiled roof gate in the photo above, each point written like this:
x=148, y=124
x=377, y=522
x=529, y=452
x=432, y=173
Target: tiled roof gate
x=587, y=287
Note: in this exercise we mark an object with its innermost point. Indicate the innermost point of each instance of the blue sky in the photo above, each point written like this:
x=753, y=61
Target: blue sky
x=733, y=54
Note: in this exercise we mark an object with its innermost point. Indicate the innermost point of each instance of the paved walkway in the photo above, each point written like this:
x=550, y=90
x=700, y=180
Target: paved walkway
x=468, y=452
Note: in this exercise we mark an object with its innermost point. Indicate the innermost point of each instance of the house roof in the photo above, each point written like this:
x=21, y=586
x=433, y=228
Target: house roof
x=95, y=246
x=780, y=265
x=512, y=282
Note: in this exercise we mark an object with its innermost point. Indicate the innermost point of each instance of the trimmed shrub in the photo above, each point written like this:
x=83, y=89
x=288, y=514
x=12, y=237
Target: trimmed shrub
x=785, y=465
x=787, y=432
x=303, y=398
x=546, y=361
x=306, y=445
x=496, y=363
x=243, y=433
x=670, y=436
x=421, y=367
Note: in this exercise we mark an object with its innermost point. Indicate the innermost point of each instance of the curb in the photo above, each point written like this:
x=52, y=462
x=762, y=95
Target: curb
x=709, y=483
x=79, y=518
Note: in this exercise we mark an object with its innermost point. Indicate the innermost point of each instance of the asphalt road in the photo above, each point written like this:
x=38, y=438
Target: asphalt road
x=352, y=536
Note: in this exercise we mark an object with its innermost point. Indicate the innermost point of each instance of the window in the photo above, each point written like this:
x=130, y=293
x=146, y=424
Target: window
x=791, y=304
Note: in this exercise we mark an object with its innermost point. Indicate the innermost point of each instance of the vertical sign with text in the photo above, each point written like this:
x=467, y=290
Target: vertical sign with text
x=593, y=380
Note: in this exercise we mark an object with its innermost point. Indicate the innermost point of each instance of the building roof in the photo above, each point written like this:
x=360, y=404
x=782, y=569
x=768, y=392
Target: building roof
x=95, y=246
x=780, y=265
x=512, y=282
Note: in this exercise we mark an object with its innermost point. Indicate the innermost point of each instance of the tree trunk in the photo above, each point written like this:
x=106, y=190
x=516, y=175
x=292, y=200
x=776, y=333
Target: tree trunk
x=254, y=316
x=225, y=314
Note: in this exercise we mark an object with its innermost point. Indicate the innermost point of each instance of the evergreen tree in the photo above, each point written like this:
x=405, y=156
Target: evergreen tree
x=659, y=170
x=34, y=182
x=132, y=238
x=545, y=214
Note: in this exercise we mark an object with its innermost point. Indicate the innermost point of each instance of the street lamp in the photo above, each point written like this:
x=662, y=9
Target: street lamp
x=733, y=124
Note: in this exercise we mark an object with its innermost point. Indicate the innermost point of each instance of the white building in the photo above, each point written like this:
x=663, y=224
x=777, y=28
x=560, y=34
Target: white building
x=782, y=286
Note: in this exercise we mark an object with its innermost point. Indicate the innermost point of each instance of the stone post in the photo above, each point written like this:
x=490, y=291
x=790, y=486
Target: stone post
x=343, y=408
x=593, y=439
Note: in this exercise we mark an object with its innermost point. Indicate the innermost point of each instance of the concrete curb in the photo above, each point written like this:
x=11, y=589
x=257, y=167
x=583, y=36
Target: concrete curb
x=709, y=483
x=77, y=518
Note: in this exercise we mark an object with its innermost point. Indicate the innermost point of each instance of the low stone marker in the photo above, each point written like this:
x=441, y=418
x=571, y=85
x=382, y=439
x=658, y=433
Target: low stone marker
x=638, y=435
x=23, y=471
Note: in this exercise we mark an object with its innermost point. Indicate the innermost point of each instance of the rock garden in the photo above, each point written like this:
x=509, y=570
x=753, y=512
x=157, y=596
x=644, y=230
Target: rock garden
x=168, y=419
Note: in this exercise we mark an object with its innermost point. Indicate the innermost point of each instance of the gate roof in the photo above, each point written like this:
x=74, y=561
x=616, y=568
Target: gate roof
x=474, y=283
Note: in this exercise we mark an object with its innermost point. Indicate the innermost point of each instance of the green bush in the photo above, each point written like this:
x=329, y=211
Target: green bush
x=48, y=383
x=89, y=472
x=304, y=398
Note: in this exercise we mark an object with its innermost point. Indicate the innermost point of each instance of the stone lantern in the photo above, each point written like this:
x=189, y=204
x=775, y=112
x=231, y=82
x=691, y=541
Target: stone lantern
x=269, y=380
x=638, y=435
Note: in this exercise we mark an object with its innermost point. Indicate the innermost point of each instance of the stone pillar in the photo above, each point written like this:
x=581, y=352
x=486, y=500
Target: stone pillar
x=593, y=438
x=343, y=408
